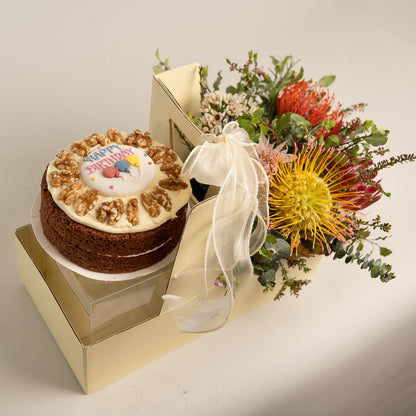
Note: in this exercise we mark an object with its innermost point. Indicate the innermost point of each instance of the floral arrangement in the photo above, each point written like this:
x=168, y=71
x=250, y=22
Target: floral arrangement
x=322, y=161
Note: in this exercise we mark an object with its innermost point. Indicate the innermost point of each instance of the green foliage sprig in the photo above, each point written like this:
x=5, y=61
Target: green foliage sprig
x=163, y=65
x=392, y=161
x=353, y=251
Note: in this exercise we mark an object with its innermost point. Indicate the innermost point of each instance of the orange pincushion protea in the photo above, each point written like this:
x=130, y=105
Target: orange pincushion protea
x=312, y=102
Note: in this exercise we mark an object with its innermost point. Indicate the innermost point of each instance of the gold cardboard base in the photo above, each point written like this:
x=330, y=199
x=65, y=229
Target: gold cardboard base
x=109, y=356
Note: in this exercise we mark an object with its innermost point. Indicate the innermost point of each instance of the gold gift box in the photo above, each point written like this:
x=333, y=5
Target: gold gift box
x=99, y=345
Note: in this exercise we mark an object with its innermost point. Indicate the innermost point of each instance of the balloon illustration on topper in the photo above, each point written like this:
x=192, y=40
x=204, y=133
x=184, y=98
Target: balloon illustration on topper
x=116, y=170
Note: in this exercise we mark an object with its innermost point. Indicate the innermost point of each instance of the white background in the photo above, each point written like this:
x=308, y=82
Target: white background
x=347, y=346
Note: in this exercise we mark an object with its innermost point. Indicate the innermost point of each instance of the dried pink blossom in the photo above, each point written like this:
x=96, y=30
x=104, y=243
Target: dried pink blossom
x=268, y=153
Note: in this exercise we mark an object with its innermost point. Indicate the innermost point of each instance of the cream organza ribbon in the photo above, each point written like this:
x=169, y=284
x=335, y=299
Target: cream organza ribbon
x=229, y=161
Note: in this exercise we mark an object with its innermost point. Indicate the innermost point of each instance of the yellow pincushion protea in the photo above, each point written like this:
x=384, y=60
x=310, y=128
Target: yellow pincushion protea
x=309, y=197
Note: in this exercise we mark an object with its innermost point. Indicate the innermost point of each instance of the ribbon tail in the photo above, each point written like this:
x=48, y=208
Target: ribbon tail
x=196, y=316
x=229, y=162
x=258, y=235
x=200, y=309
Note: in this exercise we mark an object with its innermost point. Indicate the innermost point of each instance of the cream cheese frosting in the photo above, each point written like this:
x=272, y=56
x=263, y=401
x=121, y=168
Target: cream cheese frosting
x=98, y=173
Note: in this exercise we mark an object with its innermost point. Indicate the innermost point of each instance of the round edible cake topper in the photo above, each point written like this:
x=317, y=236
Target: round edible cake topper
x=117, y=170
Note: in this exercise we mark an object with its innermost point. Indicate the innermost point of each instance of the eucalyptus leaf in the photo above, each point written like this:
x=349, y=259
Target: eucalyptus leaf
x=357, y=131
x=384, y=268
x=326, y=81
x=275, y=234
x=268, y=278
x=258, y=113
x=244, y=121
x=271, y=239
x=204, y=71
x=340, y=254
x=283, y=121
x=298, y=119
x=333, y=140
x=385, y=251
x=157, y=69
x=266, y=253
x=362, y=234
x=376, y=139
x=279, y=249
x=375, y=271
x=258, y=266
x=283, y=248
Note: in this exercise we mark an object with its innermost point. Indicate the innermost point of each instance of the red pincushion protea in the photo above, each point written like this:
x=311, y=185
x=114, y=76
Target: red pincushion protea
x=312, y=102
x=366, y=192
x=367, y=195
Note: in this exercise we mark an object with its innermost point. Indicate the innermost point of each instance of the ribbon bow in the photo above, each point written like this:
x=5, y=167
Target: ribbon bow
x=229, y=161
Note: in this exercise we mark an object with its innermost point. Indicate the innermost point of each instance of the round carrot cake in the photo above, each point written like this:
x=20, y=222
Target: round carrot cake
x=114, y=202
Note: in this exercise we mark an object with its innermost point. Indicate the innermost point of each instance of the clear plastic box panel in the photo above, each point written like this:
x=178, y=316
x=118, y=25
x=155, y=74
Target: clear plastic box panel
x=98, y=309
x=114, y=306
